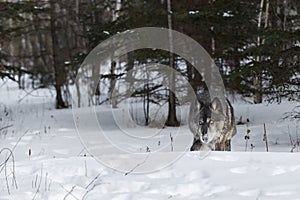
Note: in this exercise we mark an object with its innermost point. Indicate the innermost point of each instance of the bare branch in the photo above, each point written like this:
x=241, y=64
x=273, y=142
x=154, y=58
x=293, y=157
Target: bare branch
x=139, y=164
x=5, y=127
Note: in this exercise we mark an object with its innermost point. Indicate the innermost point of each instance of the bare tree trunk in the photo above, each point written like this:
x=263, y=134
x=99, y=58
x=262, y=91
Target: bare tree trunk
x=146, y=103
x=257, y=83
x=21, y=52
x=57, y=72
x=213, y=42
x=172, y=119
x=189, y=72
x=285, y=11
x=257, y=76
x=112, y=84
x=42, y=49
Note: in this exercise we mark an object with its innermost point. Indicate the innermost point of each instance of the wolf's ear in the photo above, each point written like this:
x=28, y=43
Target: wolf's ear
x=216, y=105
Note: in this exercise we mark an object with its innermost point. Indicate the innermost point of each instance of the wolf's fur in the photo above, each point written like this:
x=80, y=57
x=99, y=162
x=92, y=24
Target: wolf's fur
x=212, y=127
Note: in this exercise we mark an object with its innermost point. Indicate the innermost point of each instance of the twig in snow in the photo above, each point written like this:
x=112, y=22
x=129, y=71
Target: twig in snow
x=5, y=127
x=3, y=166
x=96, y=177
x=247, y=137
x=39, y=186
x=35, y=182
x=6, y=179
x=82, y=151
x=89, y=190
x=171, y=138
x=139, y=164
x=148, y=149
x=70, y=192
x=28, y=94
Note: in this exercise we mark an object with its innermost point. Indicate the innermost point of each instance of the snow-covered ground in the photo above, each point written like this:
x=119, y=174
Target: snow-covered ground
x=59, y=166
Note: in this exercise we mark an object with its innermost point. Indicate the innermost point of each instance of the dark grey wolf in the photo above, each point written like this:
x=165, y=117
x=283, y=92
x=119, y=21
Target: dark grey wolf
x=212, y=126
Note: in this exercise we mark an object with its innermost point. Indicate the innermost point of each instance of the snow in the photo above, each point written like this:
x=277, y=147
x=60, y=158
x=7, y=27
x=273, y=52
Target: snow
x=61, y=168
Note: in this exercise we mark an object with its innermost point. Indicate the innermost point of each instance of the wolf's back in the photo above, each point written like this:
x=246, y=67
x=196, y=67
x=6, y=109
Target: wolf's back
x=229, y=129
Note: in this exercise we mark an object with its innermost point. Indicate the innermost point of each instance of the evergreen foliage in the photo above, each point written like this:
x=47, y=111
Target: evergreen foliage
x=229, y=30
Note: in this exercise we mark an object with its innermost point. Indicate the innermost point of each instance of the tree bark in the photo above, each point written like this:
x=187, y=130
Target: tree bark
x=257, y=76
x=57, y=72
x=172, y=119
x=113, y=84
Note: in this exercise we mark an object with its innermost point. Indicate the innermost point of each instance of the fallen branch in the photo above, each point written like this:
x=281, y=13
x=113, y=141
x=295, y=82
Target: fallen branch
x=70, y=192
x=96, y=177
x=3, y=165
x=89, y=190
x=39, y=186
x=139, y=164
x=5, y=127
x=29, y=93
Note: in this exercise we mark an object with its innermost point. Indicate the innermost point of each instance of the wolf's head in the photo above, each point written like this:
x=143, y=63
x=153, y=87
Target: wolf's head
x=208, y=118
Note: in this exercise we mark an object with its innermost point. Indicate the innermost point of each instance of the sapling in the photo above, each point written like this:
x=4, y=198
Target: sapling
x=247, y=137
x=266, y=138
x=35, y=182
x=39, y=184
x=171, y=138
x=29, y=152
x=147, y=149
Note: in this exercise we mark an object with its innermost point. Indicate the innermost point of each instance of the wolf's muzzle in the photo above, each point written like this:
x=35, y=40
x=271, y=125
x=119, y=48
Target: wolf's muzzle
x=204, y=135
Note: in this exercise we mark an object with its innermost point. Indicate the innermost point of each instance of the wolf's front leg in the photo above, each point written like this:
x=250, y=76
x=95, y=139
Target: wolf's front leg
x=228, y=145
x=197, y=144
x=223, y=146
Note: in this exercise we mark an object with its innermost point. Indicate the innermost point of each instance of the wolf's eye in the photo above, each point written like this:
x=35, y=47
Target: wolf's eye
x=201, y=122
x=211, y=121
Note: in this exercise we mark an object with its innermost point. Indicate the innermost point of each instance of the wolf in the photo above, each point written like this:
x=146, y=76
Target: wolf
x=212, y=126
